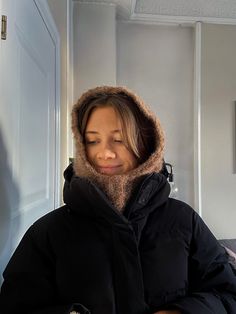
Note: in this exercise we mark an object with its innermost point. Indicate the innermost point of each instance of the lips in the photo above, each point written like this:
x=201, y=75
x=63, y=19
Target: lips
x=109, y=169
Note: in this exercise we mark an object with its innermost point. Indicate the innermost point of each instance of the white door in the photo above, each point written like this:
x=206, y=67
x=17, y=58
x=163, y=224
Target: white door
x=27, y=122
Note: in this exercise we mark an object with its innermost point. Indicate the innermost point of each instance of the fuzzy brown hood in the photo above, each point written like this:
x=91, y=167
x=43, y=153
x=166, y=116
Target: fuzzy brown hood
x=118, y=188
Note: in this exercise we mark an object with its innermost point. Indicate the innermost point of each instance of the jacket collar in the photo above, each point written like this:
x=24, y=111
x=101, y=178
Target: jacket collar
x=85, y=198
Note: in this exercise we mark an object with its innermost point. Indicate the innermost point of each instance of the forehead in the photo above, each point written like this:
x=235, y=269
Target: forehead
x=103, y=118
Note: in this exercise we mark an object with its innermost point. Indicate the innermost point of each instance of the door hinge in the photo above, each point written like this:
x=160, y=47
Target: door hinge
x=4, y=27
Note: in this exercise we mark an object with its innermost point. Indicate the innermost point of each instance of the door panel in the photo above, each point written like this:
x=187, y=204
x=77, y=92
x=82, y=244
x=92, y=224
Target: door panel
x=27, y=123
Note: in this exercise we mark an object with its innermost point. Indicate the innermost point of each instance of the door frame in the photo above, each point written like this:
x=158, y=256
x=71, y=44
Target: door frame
x=70, y=77
x=44, y=10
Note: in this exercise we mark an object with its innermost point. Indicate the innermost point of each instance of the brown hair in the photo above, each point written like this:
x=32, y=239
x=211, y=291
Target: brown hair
x=137, y=129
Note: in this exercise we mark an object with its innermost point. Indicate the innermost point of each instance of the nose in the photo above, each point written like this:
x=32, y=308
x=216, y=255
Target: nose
x=106, y=153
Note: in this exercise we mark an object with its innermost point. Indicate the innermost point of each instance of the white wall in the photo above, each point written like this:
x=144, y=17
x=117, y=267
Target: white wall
x=94, y=46
x=157, y=62
x=218, y=129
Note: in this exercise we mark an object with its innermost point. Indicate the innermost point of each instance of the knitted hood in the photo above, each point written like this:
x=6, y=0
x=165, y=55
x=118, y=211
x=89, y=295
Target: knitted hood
x=117, y=188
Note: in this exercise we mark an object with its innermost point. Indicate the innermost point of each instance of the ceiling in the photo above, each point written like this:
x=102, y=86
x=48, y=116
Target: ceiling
x=222, y=11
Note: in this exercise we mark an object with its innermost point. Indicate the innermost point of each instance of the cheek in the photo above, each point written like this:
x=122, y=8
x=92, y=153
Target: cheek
x=89, y=153
x=130, y=159
x=134, y=162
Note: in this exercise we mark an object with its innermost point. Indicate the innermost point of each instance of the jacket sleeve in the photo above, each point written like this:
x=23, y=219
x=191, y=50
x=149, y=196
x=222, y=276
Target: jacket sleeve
x=212, y=282
x=29, y=285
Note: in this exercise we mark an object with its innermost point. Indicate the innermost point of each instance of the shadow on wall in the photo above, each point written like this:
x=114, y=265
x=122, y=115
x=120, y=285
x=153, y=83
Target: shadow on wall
x=9, y=203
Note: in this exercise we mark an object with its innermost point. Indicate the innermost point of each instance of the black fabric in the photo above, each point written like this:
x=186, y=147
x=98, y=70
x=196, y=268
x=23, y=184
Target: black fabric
x=89, y=257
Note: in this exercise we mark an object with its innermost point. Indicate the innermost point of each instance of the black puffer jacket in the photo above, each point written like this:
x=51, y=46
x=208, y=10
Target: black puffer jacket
x=157, y=255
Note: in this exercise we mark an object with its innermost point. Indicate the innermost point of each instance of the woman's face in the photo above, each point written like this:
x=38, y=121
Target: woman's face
x=105, y=147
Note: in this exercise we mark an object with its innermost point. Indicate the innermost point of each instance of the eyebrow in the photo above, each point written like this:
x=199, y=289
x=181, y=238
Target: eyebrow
x=95, y=132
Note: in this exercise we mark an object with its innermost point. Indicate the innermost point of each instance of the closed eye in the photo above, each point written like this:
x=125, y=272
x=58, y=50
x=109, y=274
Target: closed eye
x=90, y=142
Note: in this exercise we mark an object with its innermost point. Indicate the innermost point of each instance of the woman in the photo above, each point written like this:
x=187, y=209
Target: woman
x=120, y=245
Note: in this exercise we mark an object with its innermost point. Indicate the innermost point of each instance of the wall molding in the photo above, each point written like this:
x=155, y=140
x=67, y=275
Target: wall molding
x=169, y=19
